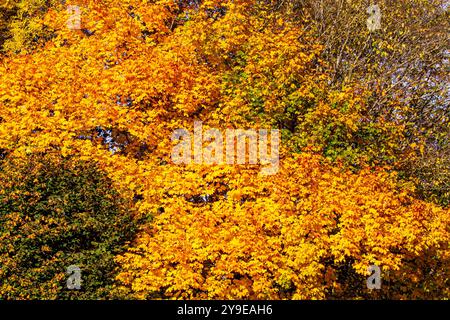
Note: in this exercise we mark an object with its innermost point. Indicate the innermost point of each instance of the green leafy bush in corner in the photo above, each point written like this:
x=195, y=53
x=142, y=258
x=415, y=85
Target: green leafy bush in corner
x=56, y=212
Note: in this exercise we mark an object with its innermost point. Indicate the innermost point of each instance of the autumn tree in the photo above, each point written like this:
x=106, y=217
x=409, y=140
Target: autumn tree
x=21, y=24
x=404, y=66
x=113, y=92
x=310, y=233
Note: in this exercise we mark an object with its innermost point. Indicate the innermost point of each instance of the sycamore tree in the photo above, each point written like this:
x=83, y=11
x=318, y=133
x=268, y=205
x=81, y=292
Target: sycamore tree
x=114, y=91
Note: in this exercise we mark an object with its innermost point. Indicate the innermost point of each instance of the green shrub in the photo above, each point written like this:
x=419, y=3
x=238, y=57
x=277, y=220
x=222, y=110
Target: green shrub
x=56, y=212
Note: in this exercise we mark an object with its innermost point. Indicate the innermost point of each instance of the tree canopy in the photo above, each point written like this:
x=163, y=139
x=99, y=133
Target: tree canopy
x=364, y=154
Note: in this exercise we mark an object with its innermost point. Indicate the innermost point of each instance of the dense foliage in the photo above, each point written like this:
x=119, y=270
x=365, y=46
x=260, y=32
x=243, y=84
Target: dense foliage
x=56, y=213
x=364, y=156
